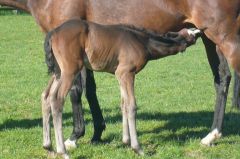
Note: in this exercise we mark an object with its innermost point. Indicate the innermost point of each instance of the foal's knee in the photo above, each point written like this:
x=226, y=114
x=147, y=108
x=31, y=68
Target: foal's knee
x=75, y=93
x=43, y=95
x=45, y=102
x=131, y=110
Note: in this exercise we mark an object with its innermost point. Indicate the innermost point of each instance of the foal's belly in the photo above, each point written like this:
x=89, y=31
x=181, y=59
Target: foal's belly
x=99, y=62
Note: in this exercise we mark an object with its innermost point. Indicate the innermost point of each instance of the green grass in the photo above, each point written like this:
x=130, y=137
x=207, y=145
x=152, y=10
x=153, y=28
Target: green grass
x=175, y=99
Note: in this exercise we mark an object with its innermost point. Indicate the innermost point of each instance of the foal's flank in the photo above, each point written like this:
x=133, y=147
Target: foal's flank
x=118, y=49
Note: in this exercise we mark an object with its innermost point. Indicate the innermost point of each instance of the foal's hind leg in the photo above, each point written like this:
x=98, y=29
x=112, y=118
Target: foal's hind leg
x=222, y=77
x=46, y=111
x=77, y=109
x=58, y=93
x=126, y=80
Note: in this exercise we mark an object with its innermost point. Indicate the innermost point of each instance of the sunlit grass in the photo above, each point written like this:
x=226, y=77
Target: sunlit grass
x=175, y=99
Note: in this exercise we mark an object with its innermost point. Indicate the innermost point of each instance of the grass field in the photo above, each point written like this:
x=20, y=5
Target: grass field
x=175, y=99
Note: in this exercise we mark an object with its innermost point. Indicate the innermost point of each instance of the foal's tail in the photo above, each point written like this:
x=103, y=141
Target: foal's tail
x=50, y=60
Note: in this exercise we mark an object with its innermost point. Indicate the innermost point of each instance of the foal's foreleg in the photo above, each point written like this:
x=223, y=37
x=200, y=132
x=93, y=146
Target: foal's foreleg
x=126, y=80
x=46, y=111
x=58, y=93
x=125, y=133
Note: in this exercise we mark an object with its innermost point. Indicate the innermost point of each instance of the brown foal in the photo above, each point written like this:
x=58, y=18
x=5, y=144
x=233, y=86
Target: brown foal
x=117, y=49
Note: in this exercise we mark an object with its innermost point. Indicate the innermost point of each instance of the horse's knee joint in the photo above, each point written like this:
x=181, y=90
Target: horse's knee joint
x=132, y=109
x=75, y=94
x=44, y=95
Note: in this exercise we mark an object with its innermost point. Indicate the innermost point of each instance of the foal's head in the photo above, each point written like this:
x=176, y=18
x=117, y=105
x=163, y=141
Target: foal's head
x=190, y=35
x=171, y=43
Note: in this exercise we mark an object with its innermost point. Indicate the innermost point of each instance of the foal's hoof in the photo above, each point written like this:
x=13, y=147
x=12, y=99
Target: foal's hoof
x=126, y=142
x=138, y=151
x=70, y=144
x=48, y=147
x=208, y=140
x=65, y=156
x=52, y=154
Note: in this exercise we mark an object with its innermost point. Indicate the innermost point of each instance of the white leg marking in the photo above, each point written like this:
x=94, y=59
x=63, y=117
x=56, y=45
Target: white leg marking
x=70, y=144
x=208, y=140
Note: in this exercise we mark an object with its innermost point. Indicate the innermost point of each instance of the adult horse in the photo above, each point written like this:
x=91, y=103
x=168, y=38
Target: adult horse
x=218, y=18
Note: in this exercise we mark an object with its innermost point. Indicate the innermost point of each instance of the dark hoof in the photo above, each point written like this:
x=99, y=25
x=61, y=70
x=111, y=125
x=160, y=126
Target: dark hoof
x=97, y=135
x=48, y=147
x=96, y=141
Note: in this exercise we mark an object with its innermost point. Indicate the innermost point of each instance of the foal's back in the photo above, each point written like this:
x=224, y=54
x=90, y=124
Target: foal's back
x=108, y=46
x=98, y=47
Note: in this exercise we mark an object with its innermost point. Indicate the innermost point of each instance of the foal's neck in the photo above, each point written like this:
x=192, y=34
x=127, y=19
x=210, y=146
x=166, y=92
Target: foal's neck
x=159, y=49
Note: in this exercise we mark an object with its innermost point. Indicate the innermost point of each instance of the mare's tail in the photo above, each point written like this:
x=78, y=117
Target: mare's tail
x=50, y=60
x=19, y=4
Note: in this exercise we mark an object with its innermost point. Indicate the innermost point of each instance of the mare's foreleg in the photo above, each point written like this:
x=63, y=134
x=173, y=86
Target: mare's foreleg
x=98, y=120
x=77, y=109
x=126, y=80
x=222, y=78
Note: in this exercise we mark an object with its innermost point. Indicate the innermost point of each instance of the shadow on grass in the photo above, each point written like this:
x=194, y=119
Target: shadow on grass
x=26, y=123
x=190, y=125
x=174, y=121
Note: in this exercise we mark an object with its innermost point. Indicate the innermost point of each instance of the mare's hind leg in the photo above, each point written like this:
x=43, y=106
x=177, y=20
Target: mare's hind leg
x=222, y=77
x=77, y=109
x=236, y=91
x=58, y=92
x=126, y=80
x=46, y=111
